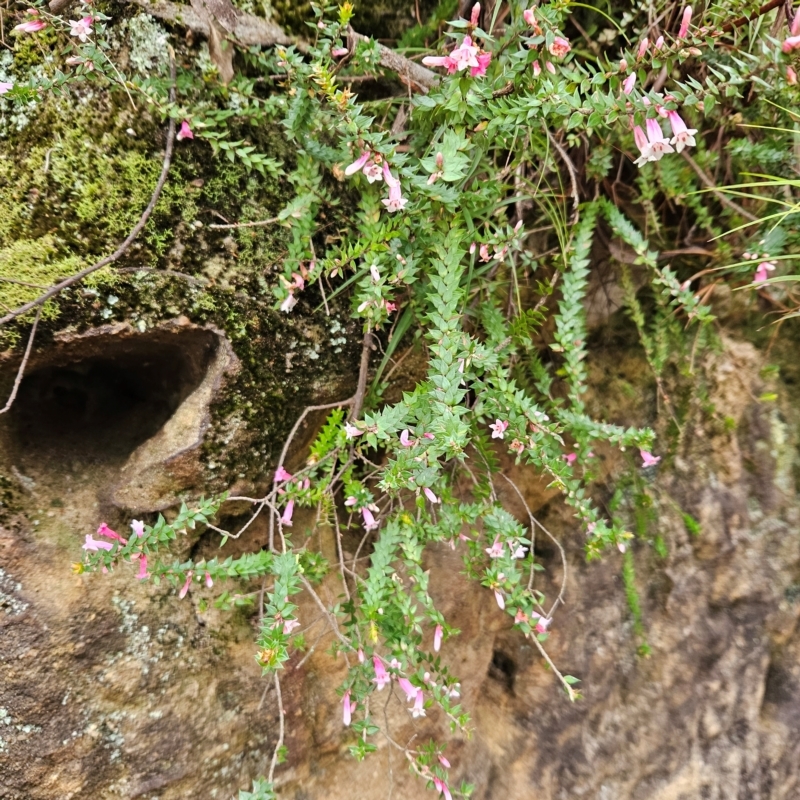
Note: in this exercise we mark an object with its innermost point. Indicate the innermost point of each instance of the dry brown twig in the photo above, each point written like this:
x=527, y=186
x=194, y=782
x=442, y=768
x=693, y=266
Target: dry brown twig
x=25, y=357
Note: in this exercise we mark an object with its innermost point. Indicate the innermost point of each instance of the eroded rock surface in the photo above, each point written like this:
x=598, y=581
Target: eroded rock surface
x=113, y=689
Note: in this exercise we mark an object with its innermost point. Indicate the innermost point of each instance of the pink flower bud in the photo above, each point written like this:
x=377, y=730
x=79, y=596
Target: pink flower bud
x=627, y=86
x=659, y=43
x=286, y=519
x=643, y=45
x=348, y=707
x=685, y=22
x=437, y=638
x=530, y=17
x=430, y=495
x=792, y=43
x=537, y=70
x=143, y=573
x=358, y=164
x=209, y=580
x=795, y=28
x=338, y=52
x=476, y=12
x=791, y=76
x=550, y=67
x=186, y=586
x=31, y=26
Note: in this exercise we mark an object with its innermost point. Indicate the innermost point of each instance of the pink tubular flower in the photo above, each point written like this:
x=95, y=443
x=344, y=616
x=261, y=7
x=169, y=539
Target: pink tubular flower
x=659, y=43
x=681, y=135
x=360, y=655
x=560, y=47
x=338, y=52
x=286, y=519
x=209, y=580
x=500, y=599
x=351, y=501
x=520, y=617
x=358, y=164
x=94, y=544
x=628, y=83
x=450, y=64
x=289, y=625
x=137, y=526
x=282, y=475
x=648, y=459
x=430, y=495
x=484, y=59
x=390, y=307
x=369, y=521
x=761, y=272
x=437, y=638
x=409, y=688
x=186, y=586
x=550, y=67
x=530, y=17
x=791, y=43
x=372, y=172
x=476, y=12
x=542, y=625
x=289, y=303
x=5, y=87
x=351, y=431
x=496, y=550
x=643, y=45
x=348, y=706
x=441, y=787
x=185, y=132
x=405, y=439
x=104, y=530
x=31, y=26
x=685, y=22
x=659, y=144
x=537, y=70
x=419, y=705
x=143, y=573
x=443, y=761
x=466, y=55
x=570, y=458
x=382, y=677
x=640, y=138
x=794, y=30
x=498, y=428
x=395, y=201
x=517, y=552
x=82, y=28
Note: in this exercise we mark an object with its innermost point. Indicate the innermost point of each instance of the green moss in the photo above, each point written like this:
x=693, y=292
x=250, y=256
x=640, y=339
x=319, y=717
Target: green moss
x=34, y=262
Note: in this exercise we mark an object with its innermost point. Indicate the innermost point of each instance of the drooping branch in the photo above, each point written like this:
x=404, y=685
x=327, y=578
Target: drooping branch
x=410, y=73
x=247, y=29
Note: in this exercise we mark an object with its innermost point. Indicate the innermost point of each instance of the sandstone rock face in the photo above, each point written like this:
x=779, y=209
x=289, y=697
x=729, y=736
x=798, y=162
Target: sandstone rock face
x=112, y=689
